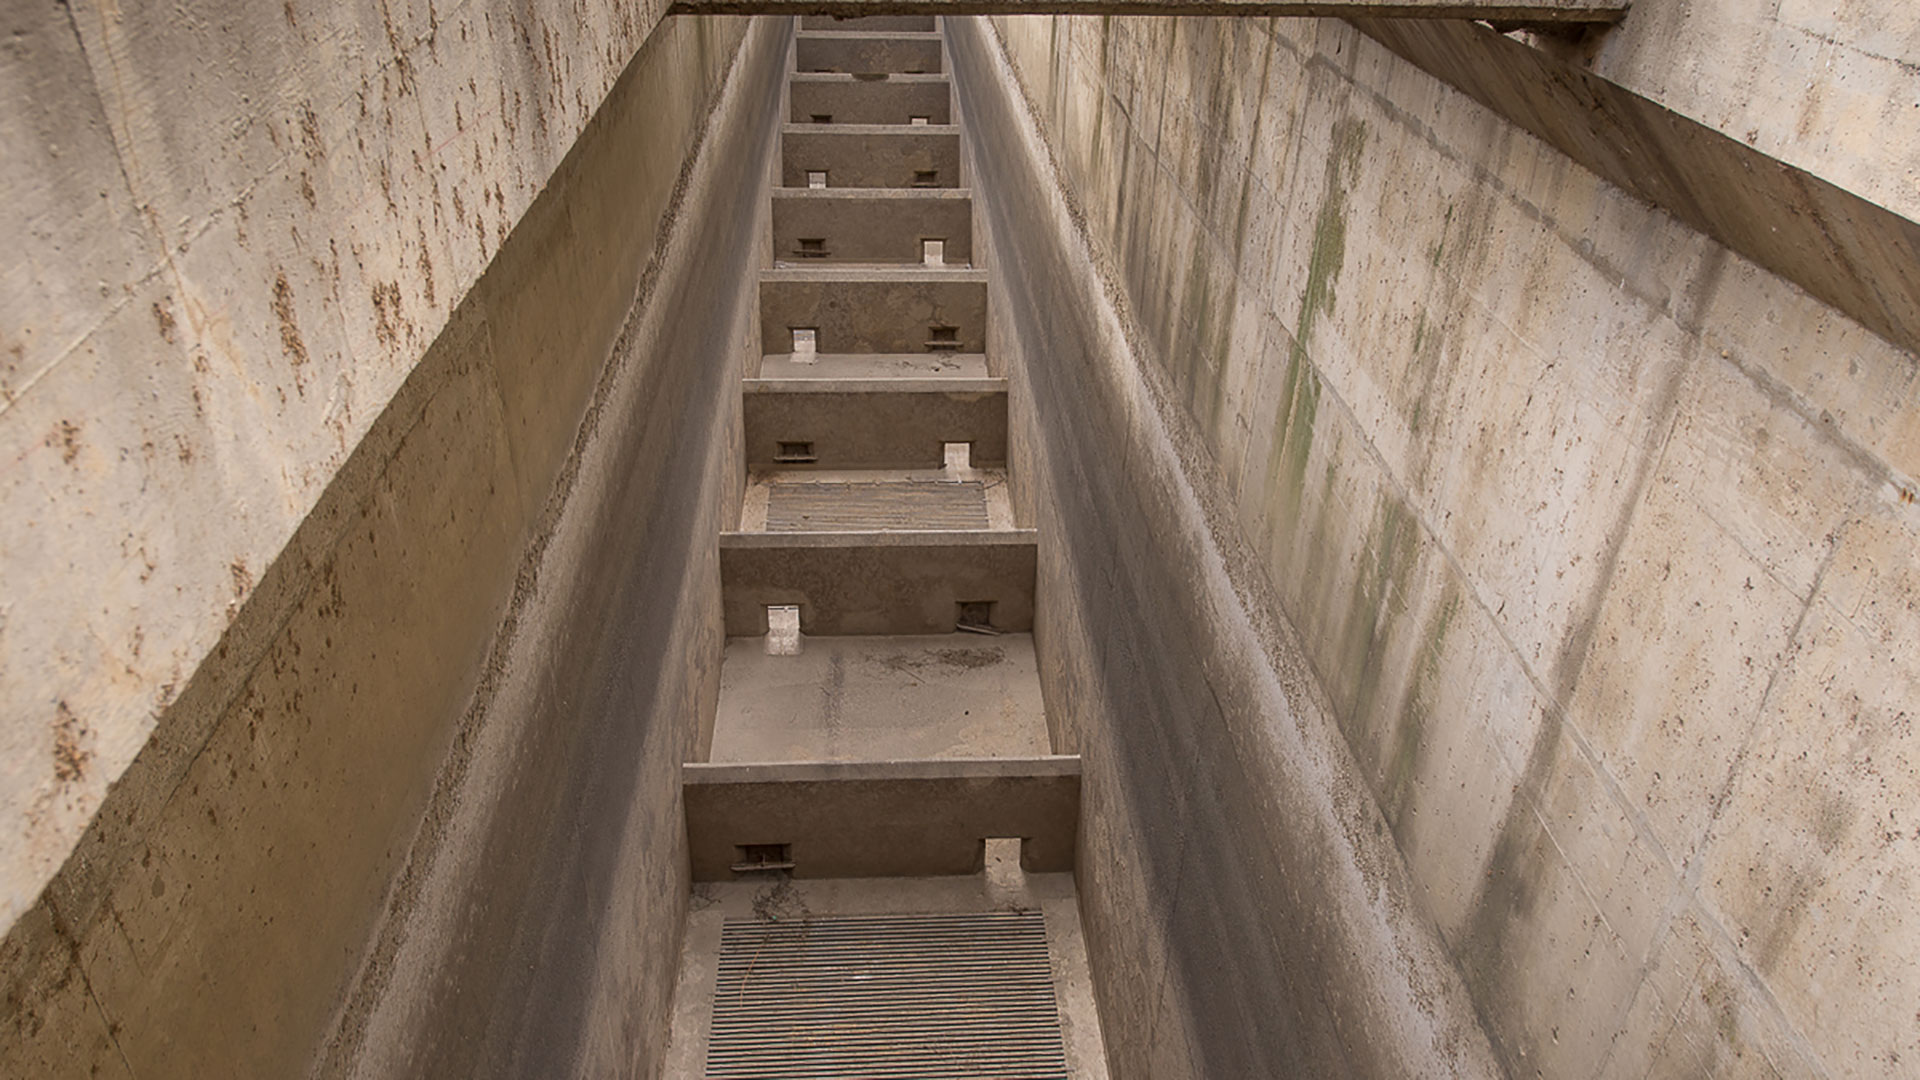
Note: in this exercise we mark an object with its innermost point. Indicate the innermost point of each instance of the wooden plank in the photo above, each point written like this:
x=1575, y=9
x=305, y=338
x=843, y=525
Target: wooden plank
x=1536, y=12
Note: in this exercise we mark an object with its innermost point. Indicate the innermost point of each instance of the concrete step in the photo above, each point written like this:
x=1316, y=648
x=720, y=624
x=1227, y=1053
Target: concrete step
x=859, y=99
x=955, y=498
x=874, y=424
x=886, y=24
x=872, y=366
x=861, y=52
x=868, y=819
x=879, y=582
x=872, y=225
x=870, y=155
x=862, y=310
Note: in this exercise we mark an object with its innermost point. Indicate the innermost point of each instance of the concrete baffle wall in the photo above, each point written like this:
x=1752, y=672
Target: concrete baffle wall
x=1592, y=541
x=350, y=716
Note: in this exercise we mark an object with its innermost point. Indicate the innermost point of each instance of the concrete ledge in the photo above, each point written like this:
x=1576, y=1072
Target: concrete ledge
x=871, y=155
x=877, y=582
x=875, y=311
x=884, y=818
x=862, y=53
x=877, y=424
x=877, y=23
x=855, y=99
x=1498, y=11
x=872, y=225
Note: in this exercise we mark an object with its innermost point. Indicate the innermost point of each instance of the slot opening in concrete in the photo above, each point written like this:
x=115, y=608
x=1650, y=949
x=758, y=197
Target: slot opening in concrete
x=806, y=343
x=923, y=178
x=959, y=455
x=794, y=453
x=760, y=858
x=816, y=178
x=975, y=616
x=783, y=630
x=822, y=118
x=811, y=248
x=943, y=338
x=919, y=121
x=933, y=252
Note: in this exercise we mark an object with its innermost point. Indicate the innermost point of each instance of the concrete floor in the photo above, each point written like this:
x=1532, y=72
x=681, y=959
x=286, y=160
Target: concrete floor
x=1002, y=886
x=879, y=699
x=873, y=365
x=870, y=487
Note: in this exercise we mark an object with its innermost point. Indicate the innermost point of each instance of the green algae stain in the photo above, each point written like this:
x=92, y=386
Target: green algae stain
x=1291, y=449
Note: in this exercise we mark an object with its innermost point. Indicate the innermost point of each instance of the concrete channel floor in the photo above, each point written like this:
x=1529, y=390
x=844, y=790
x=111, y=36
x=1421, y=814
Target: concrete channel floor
x=873, y=365
x=1002, y=886
x=880, y=698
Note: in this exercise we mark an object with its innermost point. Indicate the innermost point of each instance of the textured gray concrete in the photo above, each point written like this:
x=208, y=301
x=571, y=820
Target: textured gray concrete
x=919, y=24
x=898, y=698
x=294, y=792
x=1598, y=539
x=877, y=583
x=878, y=426
x=1002, y=885
x=1513, y=12
x=855, y=52
x=869, y=155
x=756, y=510
x=861, y=819
x=852, y=99
x=872, y=226
x=874, y=311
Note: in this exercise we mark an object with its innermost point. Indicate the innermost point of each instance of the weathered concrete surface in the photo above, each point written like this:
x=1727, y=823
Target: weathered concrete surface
x=1832, y=88
x=360, y=738
x=872, y=226
x=1861, y=258
x=1600, y=541
x=865, y=367
x=876, y=427
x=919, y=24
x=850, y=99
x=1244, y=903
x=874, y=311
x=231, y=238
x=1519, y=12
x=870, y=155
x=877, y=582
x=886, y=698
x=864, y=819
x=855, y=52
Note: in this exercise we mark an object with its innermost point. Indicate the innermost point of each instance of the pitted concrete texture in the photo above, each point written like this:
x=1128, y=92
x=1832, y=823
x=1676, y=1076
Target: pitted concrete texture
x=850, y=225
x=918, y=24
x=856, y=52
x=1599, y=539
x=854, y=99
x=1001, y=886
x=889, y=698
x=891, y=310
x=871, y=155
x=216, y=282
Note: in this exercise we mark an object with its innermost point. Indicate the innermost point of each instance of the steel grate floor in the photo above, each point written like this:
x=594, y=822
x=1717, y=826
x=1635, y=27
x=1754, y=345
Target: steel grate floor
x=893, y=504
x=966, y=994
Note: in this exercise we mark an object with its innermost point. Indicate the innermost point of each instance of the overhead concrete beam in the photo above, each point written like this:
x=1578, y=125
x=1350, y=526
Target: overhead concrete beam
x=1497, y=11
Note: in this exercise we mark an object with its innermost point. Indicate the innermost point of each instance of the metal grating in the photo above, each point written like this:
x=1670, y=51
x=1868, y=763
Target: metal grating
x=966, y=994
x=879, y=504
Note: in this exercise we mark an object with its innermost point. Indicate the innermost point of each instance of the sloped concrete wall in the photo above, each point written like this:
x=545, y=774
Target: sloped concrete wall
x=1599, y=541
x=413, y=813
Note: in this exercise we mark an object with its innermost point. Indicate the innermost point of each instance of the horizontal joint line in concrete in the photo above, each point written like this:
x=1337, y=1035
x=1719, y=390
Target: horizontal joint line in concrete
x=931, y=384
x=1502, y=11
x=893, y=538
x=871, y=194
x=932, y=769
x=872, y=35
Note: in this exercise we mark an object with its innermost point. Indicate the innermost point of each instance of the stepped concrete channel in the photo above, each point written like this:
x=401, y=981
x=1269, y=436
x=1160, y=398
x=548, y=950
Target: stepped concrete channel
x=1081, y=538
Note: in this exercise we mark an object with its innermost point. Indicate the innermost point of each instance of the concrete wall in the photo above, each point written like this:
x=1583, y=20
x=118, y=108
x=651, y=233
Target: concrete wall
x=1596, y=542
x=396, y=751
